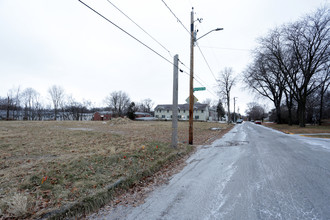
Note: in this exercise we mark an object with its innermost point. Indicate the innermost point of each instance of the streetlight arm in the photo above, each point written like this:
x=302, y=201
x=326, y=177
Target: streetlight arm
x=218, y=29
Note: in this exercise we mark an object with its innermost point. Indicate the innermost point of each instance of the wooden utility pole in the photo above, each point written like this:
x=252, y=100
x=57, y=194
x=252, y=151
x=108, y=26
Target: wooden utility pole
x=234, y=109
x=191, y=90
x=175, y=103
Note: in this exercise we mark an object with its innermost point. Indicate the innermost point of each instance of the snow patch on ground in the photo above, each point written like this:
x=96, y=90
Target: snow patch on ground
x=221, y=199
x=310, y=141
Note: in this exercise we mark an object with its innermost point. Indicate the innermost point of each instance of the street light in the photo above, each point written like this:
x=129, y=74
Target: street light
x=191, y=91
x=217, y=29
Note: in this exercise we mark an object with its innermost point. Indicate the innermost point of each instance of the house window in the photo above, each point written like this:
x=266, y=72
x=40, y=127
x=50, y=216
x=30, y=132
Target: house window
x=163, y=116
x=179, y=110
x=184, y=111
x=171, y=116
x=196, y=116
x=168, y=111
x=202, y=111
x=179, y=116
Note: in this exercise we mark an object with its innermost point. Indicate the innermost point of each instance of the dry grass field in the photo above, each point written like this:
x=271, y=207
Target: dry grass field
x=309, y=129
x=48, y=165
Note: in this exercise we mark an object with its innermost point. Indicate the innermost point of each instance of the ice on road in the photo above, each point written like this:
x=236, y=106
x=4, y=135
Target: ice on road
x=253, y=172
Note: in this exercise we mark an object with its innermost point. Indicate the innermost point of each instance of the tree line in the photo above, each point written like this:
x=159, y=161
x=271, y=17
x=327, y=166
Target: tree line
x=28, y=104
x=291, y=68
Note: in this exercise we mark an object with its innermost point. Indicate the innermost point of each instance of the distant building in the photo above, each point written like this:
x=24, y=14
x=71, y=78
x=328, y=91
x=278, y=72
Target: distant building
x=102, y=116
x=201, y=112
x=142, y=114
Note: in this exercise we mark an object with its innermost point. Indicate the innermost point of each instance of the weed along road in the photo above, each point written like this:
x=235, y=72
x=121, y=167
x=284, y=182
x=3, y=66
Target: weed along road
x=253, y=172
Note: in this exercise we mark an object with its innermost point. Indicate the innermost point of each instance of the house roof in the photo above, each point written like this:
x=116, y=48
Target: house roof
x=142, y=113
x=197, y=106
x=104, y=112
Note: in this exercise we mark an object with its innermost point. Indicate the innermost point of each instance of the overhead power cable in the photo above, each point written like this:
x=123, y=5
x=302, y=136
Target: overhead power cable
x=176, y=17
x=139, y=27
x=125, y=32
x=136, y=39
x=199, y=80
x=207, y=63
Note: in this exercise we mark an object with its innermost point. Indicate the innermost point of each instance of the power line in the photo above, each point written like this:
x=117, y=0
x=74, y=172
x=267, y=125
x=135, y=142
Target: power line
x=136, y=39
x=209, y=90
x=207, y=63
x=176, y=18
x=199, y=80
x=125, y=31
x=139, y=27
x=214, y=55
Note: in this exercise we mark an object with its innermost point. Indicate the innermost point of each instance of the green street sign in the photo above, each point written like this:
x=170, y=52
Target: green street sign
x=199, y=89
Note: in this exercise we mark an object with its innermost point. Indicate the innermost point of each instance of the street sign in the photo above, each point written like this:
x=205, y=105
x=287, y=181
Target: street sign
x=195, y=100
x=199, y=89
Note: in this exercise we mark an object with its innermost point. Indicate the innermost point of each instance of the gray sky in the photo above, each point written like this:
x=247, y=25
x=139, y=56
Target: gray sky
x=47, y=42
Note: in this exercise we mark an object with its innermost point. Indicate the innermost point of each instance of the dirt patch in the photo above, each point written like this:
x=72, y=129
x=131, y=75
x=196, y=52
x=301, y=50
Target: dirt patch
x=120, y=121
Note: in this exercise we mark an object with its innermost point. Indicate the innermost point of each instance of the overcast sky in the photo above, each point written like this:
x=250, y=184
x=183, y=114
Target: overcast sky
x=62, y=42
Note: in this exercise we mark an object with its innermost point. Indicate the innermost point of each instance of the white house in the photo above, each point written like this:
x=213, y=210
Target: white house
x=201, y=112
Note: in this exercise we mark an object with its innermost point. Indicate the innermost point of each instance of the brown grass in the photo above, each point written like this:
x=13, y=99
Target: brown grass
x=54, y=164
x=295, y=129
x=317, y=136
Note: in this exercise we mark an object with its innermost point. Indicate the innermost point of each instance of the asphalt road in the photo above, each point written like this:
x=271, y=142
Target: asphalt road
x=253, y=172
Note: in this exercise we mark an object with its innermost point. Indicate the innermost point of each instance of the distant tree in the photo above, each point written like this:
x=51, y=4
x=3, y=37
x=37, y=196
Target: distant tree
x=326, y=110
x=75, y=110
x=118, y=101
x=226, y=81
x=31, y=100
x=131, y=111
x=13, y=103
x=255, y=111
x=57, y=96
x=220, y=110
x=208, y=102
x=146, y=105
x=9, y=105
x=325, y=83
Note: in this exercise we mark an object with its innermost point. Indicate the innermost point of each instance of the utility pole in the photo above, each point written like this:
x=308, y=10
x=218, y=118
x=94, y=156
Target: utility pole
x=175, y=103
x=234, y=109
x=191, y=90
x=193, y=39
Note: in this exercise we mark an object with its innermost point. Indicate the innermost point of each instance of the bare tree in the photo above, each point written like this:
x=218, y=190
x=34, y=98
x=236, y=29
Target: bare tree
x=309, y=41
x=13, y=102
x=146, y=105
x=255, y=111
x=31, y=99
x=292, y=60
x=226, y=81
x=208, y=102
x=325, y=83
x=264, y=75
x=57, y=96
x=118, y=102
